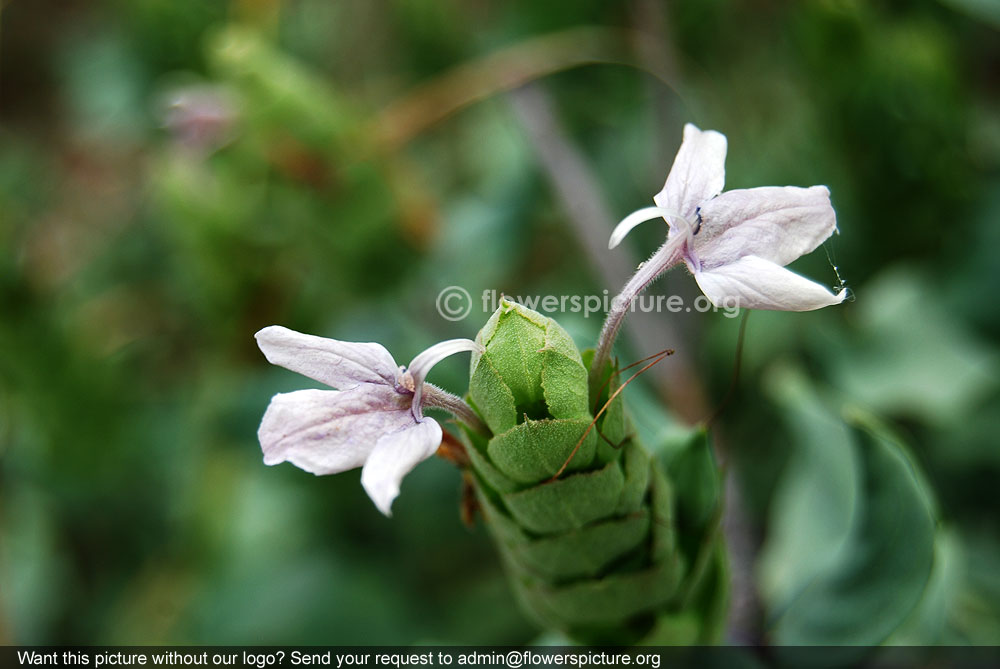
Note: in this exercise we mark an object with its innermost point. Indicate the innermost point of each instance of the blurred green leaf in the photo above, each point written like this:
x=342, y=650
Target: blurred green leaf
x=911, y=356
x=697, y=483
x=984, y=10
x=103, y=88
x=976, y=616
x=813, y=509
x=930, y=621
x=33, y=574
x=874, y=549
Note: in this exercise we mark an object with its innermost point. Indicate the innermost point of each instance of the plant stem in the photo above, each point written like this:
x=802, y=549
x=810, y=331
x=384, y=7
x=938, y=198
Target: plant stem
x=441, y=399
x=665, y=257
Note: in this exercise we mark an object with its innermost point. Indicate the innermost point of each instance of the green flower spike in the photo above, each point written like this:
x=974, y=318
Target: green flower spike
x=593, y=534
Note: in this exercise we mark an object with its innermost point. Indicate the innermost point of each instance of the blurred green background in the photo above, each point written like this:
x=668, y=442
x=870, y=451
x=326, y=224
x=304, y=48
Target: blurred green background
x=175, y=175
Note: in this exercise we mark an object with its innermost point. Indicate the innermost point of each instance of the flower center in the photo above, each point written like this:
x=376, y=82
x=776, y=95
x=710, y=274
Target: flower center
x=684, y=227
x=407, y=381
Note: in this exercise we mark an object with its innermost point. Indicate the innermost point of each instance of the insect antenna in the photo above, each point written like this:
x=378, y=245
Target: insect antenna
x=618, y=372
x=662, y=355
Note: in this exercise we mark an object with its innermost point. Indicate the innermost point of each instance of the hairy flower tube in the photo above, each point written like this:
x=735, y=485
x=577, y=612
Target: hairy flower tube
x=373, y=420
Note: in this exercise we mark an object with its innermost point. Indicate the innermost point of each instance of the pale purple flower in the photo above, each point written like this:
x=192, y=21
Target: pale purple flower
x=201, y=117
x=736, y=244
x=374, y=420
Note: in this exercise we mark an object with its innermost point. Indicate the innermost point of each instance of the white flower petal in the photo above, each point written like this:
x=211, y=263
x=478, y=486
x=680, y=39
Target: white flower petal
x=673, y=218
x=698, y=173
x=422, y=364
x=326, y=431
x=755, y=283
x=395, y=455
x=338, y=364
x=775, y=223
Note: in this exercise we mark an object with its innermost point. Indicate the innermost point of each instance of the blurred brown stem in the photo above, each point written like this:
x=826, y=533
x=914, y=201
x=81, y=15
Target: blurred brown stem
x=500, y=71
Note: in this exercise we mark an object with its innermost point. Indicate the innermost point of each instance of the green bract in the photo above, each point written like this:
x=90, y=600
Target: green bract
x=597, y=540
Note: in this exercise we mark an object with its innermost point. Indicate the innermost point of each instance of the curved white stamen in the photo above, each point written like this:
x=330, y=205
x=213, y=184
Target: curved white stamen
x=641, y=216
x=422, y=364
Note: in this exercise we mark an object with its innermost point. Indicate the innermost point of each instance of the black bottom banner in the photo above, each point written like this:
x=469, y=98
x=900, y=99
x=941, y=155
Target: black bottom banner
x=509, y=657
